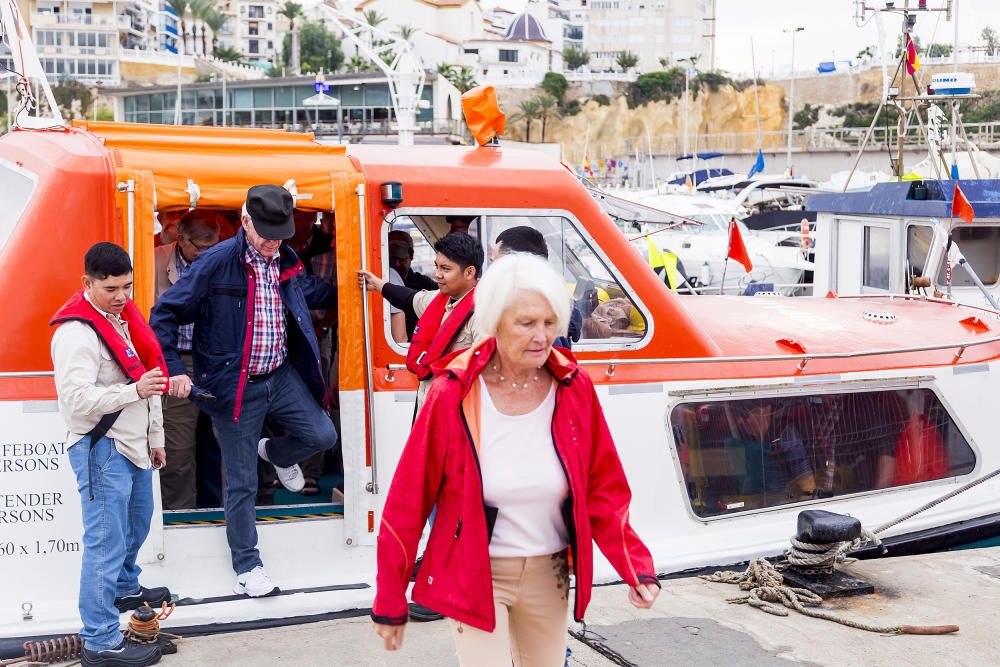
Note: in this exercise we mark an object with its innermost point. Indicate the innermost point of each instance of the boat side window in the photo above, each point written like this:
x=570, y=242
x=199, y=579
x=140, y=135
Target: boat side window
x=875, y=272
x=608, y=312
x=738, y=455
x=918, y=246
x=18, y=186
x=980, y=244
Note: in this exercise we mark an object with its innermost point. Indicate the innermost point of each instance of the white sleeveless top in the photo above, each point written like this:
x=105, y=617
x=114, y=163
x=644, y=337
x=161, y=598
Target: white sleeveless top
x=523, y=478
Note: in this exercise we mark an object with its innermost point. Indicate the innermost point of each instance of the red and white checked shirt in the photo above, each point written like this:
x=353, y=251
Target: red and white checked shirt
x=268, y=348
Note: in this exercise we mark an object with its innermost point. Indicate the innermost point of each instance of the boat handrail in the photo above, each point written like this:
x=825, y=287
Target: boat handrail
x=26, y=374
x=803, y=359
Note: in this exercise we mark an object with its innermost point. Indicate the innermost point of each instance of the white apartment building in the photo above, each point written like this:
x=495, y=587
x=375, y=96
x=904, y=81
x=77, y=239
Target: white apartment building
x=652, y=29
x=83, y=40
x=256, y=32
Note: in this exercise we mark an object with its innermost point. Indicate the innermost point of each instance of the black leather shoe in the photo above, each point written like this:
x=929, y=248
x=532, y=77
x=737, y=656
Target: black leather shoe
x=154, y=596
x=422, y=614
x=126, y=654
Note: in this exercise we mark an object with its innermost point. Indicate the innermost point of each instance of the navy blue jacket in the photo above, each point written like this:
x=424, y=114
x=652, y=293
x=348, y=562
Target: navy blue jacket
x=215, y=295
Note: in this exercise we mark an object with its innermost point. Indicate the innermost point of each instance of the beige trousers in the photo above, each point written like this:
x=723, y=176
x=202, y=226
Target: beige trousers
x=530, y=596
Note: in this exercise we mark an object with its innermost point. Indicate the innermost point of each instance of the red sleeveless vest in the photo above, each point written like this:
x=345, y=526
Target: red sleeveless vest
x=134, y=362
x=432, y=338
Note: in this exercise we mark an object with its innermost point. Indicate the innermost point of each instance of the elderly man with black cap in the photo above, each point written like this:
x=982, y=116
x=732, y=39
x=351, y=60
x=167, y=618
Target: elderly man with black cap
x=255, y=357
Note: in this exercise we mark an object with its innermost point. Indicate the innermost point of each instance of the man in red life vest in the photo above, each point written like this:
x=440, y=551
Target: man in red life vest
x=446, y=314
x=109, y=376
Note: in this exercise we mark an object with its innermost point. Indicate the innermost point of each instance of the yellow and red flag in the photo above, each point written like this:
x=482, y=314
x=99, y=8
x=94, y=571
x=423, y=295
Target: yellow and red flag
x=586, y=167
x=912, y=60
x=961, y=207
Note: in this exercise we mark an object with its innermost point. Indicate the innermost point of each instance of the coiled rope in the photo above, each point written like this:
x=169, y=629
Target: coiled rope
x=766, y=590
x=806, y=556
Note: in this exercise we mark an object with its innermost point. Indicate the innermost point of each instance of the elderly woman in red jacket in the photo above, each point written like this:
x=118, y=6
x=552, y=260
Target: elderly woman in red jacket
x=513, y=448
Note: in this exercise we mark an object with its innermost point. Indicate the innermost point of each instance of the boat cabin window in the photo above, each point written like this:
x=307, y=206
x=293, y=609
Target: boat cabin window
x=607, y=312
x=875, y=272
x=18, y=185
x=980, y=244
x=738, y=455
x=918, y=246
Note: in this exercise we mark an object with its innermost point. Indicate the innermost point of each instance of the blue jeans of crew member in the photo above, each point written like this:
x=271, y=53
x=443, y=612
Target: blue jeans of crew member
x=115, y=524
x=284, y=399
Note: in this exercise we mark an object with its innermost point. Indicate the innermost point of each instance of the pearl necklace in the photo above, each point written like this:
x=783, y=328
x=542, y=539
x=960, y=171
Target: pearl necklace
x=514, y=385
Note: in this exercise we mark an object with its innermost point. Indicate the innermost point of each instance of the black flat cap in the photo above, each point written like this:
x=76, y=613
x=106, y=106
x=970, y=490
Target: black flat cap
x=270, y=208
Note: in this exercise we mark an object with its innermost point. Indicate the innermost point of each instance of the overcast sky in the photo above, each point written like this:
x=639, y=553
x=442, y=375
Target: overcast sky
x=830, y=31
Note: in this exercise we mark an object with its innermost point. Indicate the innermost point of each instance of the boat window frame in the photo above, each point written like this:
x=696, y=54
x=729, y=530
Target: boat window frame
x=617, y=345
x=892, y=278
x=960, y=224
x=818, y=388
x=928, y=259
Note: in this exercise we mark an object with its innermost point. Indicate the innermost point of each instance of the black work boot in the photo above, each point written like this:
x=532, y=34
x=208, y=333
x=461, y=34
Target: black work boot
x=154, y=596
x=126, y=654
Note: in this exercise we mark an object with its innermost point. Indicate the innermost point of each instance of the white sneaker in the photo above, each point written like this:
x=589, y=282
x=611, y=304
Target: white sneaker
x=291, y=478
x=255, y=584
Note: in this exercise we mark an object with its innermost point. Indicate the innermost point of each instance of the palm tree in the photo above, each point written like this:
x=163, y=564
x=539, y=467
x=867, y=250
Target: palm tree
x=200, y=9
x=463, y=78
x=406, y=32
x=215, y=21
x=357, y=64
x=528, y=112
x=373, y=18
x=445, y=70
x=547, y=108
x=626, y=60
x=292, y=10
x=229, y=55
x=180, y=8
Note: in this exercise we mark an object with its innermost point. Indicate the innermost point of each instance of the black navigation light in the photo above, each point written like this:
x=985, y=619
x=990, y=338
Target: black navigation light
x=392, y=193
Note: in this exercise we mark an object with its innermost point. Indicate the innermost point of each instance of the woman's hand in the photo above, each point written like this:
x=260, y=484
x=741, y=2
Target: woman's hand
x=643, y=595
x=392, y=635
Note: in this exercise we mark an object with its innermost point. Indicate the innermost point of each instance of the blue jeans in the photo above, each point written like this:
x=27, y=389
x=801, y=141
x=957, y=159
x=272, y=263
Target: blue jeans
x=284, y=399
x=115, y=524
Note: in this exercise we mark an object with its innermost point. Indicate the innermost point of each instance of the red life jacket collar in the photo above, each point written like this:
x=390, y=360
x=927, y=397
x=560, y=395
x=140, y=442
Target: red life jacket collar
x=435, y=334
x=135, y=359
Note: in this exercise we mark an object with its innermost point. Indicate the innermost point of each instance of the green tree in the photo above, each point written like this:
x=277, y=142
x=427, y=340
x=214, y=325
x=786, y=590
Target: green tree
x=359, y=64
x=939, y=50
x=319, y=49
x=444, y=69
x=200, y=10
x=555, y=84
x=229, y=54
x=626, y=60
x=527, y=112
x=462, y=78
x=547, y=108
x=373, y=18
x=575, y=58
x=867, y=52
x=68, y=92
x=806, y=117
x=406, y=32
x=292, y=55
x=657, y=86
x=990, y=40
x=215, y=22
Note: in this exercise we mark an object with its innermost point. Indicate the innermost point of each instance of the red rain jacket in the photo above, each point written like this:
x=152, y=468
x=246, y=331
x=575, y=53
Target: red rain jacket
x=440, y=464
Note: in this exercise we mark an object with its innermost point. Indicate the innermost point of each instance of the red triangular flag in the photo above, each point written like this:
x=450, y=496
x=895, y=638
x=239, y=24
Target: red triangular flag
x=960, y=206
x=738, y=251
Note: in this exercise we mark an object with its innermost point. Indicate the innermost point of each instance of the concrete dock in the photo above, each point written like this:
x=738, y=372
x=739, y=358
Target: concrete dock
x=692, y=624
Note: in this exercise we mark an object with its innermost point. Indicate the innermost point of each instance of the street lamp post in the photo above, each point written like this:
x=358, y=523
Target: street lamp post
x=687, y=97
x=791, y=99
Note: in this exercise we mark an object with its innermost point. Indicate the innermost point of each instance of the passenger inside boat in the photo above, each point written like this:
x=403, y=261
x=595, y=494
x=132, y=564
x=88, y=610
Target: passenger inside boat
x=609, y=313
x=745, y=454
x=196, y=460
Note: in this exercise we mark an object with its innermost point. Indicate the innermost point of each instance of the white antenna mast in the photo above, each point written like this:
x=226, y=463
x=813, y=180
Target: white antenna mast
x=27, y=70
x=395, y=57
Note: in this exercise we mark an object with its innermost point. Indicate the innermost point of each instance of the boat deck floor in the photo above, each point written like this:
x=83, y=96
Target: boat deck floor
x=692, y=624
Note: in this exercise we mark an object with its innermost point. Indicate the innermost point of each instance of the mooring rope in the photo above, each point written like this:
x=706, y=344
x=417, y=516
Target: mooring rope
x=825, y=556
x=766, y=590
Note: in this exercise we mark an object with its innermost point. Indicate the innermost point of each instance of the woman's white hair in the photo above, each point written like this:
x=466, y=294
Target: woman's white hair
x=508, y=277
